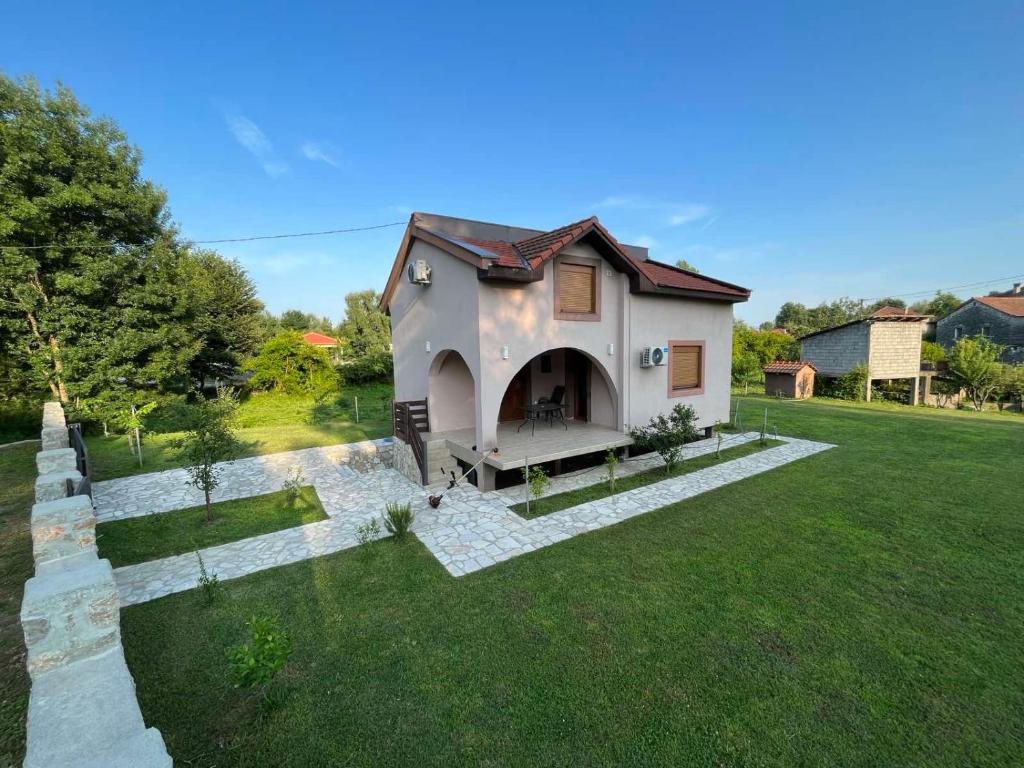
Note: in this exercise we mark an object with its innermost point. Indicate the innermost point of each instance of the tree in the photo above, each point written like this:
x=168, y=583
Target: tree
x=1011, y=383
x=366, y=330
x=939, y=306
x=973, y=363
x=297, y=320
x=68, y=179
x=667, y=434
x=746, y=370
x=209, y=441
x=684, y=264
x=287, y=363
x=932, y=352
x=887, y=302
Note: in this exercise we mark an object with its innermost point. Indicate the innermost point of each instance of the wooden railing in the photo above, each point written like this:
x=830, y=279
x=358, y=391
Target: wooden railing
x=411, y=419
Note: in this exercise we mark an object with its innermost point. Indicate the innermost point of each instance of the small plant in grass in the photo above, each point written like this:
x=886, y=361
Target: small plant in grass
x=293, y=485
x=666, y=435
x=256, y=663
x=398, y=518
x=210, y=440
x=611, y=461
x=208, y=582
x=368, y=531
x=536, y=480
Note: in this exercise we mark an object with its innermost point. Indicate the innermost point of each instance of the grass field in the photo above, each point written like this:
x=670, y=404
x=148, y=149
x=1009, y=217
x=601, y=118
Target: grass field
x=600, y=489
x=17, y=475
x=860, y=607
x=266, y=423
x=138, y=539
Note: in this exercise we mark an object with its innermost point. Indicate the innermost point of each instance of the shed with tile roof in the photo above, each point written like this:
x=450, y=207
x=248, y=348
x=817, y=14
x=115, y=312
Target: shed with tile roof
x=786, y=378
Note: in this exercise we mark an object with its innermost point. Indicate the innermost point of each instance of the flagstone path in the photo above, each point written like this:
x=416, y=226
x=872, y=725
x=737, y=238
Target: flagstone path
x=470, y=531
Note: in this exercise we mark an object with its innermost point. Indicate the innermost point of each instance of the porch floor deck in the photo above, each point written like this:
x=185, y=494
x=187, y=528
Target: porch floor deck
x=547, y=443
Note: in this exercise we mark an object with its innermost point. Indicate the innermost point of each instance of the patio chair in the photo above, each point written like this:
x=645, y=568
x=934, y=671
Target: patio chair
x=557, y=397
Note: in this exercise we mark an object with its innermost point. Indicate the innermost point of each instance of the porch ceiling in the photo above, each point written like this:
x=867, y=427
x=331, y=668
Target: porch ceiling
x=547, y=443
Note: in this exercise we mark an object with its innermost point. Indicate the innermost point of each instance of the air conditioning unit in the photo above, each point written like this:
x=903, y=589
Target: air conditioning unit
x=419, y=272
x=651, y=356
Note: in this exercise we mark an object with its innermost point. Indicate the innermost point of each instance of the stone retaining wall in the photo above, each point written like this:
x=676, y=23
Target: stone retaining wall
x=82, y=708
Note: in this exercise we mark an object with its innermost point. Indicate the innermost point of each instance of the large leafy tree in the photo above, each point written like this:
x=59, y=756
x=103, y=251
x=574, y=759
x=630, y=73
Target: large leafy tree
x=286, y=363
x=974, y=364
x=98, y=299
x=366, y=330
x=69, y=179
x=939, y=305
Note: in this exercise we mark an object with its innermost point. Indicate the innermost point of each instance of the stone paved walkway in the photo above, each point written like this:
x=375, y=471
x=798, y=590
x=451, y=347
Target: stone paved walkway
x=329, y=470
x=470, y=531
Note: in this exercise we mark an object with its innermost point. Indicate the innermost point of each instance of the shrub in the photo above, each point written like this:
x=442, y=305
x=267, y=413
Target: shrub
x=287, y=363
x=208, y=582
x=256, y=663
x=973, y=363
x=932, y=352
x=368, y=531
x=611, y=461
x=211, y=440
x=666, y=435
x=536, y=480
x=293, y=485
x=373, y=366
x=398, y=518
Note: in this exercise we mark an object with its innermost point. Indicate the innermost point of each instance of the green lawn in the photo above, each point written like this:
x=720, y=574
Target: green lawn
x=600, y=490
x=17, y=475
x=267, y=423
x=138, y=539
x=861, y=607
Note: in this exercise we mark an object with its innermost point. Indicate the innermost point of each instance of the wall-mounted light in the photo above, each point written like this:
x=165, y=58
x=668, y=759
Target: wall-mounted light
x=504, y=351
x=611, y=349
x=426, y=347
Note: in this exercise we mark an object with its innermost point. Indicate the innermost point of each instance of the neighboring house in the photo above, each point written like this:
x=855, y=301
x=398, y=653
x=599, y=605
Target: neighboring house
x=487, y=320
x=331, y=344
x=786, y=378
x=999, y=317
x=887, y=341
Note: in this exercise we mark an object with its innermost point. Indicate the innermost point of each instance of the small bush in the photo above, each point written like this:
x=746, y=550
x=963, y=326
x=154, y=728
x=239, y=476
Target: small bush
x=293, y=485
x=611, y=461
x=257, y=662
x=366, y=368
x=537, y=480
x=398, y=518
x=368, y=531
x=667, y=434
x=208, y=583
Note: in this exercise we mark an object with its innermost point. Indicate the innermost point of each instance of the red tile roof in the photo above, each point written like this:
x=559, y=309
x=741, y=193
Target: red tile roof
x=319, y=339
x=674, y=277
x=788, y=366
x=1010, y=305
x=890, y=311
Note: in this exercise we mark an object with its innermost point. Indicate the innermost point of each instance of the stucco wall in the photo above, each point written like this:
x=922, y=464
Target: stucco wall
x=444, y=313
x=451, y=393
x=654, y=321
x=895, y=350
x=836, y=352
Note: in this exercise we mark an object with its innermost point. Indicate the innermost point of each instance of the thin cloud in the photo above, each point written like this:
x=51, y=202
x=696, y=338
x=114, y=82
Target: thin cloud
x=321, y=152
x=669, y=214
x=253, y=140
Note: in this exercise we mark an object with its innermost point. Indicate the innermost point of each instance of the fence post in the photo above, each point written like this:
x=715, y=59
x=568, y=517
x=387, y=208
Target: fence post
x=356, y=398
x=526, y=480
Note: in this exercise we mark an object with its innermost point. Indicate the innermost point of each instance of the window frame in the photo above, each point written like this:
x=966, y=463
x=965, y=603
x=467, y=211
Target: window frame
x=986, y=330
x=586, y=317
x=702, y=367
x=958, y=332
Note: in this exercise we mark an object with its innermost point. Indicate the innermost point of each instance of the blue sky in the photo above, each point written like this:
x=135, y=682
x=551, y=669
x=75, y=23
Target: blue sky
x=808, y=152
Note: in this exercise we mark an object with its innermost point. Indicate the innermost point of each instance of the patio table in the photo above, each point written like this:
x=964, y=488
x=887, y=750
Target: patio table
x=535, y=411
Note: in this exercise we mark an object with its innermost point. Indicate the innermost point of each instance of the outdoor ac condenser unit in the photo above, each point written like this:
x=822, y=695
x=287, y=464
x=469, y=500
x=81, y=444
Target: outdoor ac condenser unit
x=419, y=272
x=651, y=356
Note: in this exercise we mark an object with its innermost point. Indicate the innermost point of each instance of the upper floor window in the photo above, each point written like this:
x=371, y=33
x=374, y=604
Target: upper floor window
x=986, y=330
x=958, y=332
x=577, y=291
x=685, y=368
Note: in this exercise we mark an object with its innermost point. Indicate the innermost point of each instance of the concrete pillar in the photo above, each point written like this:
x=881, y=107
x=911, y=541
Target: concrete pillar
x=486, y=477
x=915, y=397
x=56, y=460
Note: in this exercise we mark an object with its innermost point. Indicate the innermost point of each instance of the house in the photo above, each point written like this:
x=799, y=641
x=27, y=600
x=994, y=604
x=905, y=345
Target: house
x=487, y=320
x=320, y=340
x=787, y=378
x=888, y=341
x=998, y=317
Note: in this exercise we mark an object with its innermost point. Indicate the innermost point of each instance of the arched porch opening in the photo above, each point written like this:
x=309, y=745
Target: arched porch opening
x=451, y=393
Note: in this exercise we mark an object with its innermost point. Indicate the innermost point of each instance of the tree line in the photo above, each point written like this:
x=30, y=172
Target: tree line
x=799, y=320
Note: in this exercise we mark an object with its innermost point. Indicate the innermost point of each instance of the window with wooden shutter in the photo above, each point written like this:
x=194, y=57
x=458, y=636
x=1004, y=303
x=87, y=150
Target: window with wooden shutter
x=577, y=291
x=686, y=368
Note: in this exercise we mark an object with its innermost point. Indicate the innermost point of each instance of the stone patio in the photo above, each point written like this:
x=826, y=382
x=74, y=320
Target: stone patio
x=471, y=530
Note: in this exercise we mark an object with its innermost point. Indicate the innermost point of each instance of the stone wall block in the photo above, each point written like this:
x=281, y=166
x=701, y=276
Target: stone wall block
x=63, y=528
x=56, y=460
x=55, y=485
x=70, y=612
x=54, y=437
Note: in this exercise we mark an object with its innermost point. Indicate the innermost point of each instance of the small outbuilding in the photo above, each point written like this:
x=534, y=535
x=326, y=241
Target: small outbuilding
x=788, y=378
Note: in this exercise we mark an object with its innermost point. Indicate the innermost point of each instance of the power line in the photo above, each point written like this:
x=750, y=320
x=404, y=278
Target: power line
x=950, y=289
x=247, y=239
